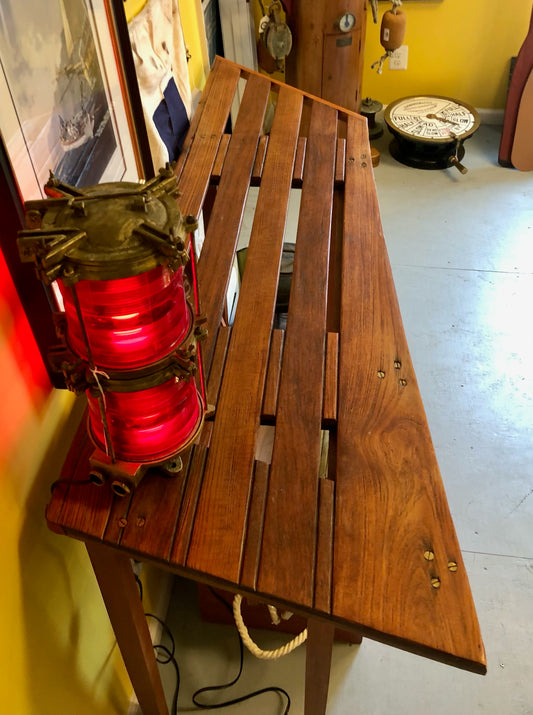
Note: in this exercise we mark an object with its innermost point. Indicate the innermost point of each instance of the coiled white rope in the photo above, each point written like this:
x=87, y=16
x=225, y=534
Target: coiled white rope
x=252, y=646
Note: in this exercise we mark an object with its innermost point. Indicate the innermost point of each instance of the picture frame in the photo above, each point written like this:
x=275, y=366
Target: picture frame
x=69, y=96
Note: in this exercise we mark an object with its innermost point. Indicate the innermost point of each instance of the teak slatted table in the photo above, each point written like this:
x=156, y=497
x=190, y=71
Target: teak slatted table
x=370, y=547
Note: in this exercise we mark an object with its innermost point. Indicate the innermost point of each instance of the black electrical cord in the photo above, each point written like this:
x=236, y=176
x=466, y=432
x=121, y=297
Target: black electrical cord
x=170, y=657
x=234, y=701
x=140, y=585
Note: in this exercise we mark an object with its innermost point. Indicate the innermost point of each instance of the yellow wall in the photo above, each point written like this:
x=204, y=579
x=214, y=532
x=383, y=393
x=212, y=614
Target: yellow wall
x=58, y=653
x=460, y=48
x=194, y=33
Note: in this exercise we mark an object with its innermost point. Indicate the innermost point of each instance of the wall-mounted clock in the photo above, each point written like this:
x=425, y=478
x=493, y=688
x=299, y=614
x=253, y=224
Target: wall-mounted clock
x=429, y=130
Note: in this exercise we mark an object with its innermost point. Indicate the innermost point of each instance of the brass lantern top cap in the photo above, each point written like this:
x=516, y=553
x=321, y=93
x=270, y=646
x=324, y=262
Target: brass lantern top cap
x=106, y=231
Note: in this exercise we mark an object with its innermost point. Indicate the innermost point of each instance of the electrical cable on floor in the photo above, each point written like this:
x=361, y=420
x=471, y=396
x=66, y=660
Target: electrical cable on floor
x=170, y=658
x=139, y=584
x=166, y=655
x=234, y=701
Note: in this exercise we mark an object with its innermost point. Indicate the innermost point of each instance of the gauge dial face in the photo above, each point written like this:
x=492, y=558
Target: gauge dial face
x=346, y=22
x=432, y=118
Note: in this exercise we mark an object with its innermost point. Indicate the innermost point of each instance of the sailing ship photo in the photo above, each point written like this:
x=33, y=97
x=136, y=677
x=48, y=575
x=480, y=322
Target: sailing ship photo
x=56, y=114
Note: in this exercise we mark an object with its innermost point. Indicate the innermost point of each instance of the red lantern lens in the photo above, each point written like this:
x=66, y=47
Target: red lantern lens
x=149, y=425
x=130, y=322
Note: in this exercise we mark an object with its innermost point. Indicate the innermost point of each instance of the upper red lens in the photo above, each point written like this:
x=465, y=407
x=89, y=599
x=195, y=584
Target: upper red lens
x=130, y=322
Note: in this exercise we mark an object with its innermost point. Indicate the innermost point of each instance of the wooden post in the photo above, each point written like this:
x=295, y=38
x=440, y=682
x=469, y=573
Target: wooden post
x=324, y=60
x=317, y=665
x=121, y=597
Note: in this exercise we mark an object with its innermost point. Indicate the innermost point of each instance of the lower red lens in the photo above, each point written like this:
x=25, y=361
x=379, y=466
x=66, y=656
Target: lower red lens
x=149, y=425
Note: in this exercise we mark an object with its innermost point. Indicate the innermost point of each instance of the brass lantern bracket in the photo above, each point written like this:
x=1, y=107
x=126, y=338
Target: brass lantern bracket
x=173, y=250
x=48, y=250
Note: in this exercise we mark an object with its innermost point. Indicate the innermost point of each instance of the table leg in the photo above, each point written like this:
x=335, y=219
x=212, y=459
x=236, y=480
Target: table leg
x=121, y=597
x=317, y=665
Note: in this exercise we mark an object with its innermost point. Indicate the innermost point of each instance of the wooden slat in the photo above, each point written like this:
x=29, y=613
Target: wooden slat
x=340, y=160
x=118, y=517
x=299, y=162
x=217, y=365
x=195, y=120
x=254, y=528
x=324, y=547
x=293, y=488
x=185, y=520
x=155, y=504
x=216, y=259
x=270, y=398
x=86, y=507
x=329, y=407
x=217, y=541
x=260, y=158
x=78, y=452
x=390, y=502
x=195, y=176
x=220, y=157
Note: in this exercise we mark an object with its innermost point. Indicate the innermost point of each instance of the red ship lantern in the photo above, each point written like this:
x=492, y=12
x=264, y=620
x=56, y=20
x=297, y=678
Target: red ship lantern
x=121, y=259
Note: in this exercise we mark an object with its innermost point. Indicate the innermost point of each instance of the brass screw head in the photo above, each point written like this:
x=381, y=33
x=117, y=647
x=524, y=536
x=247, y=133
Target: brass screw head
x=429, y=555
x=381, y=374
x=402, y=381
x=397, y=364
x=452, y=566
x=122, y=522
x=435, y=582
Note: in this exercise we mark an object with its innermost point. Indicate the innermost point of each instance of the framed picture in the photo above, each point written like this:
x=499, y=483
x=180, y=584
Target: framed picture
x=66, y=95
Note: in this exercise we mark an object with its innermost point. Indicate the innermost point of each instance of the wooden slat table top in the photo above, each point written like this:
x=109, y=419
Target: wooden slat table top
x=369, y=542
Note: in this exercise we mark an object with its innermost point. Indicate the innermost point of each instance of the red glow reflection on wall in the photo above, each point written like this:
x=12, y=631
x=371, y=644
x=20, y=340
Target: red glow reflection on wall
x=130, y=322
x=149, y=425
x=24, y=381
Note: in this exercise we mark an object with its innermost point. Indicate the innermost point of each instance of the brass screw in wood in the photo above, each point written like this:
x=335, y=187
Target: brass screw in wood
x=122, y=522
x=435, y=582
x=397, y=364
x=140, y=521
x=429, y=555
x=402, y=381
x=381, y=374
x=452, y=566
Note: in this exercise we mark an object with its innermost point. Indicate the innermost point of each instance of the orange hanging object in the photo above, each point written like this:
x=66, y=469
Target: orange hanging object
x=393, y=26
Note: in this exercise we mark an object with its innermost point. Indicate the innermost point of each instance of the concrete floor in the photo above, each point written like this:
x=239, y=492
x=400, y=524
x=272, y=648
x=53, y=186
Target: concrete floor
x=461, y=249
